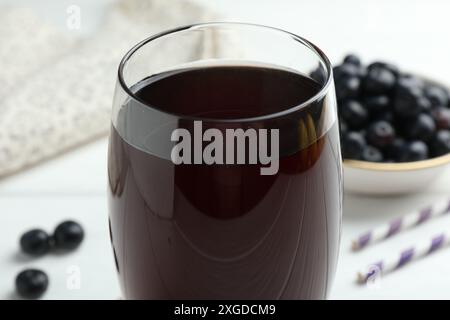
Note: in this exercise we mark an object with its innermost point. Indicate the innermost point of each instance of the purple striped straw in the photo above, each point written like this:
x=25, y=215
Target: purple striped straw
x=408, y=255
x=400, y=224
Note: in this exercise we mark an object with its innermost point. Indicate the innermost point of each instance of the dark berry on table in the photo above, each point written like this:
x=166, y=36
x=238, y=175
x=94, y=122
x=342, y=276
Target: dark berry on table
x=396, y=149
x=379, y=81
x=377, y=104
x=438, y=96
x=354, y=114
x=347, y=88
x=353, y=144
x=384, y=65
x=407, y=99
x=421, y=127
x=440, y=144
x=372, y=154
x=35, y=242
x=31, y=283
x=380, y=134
x=68, y=235
x=441, y=116
x=352, y=59
x=415, y=151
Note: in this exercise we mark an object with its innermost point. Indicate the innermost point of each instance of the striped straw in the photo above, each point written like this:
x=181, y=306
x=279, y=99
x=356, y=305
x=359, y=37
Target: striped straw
x=411, y=254
x=399, y=224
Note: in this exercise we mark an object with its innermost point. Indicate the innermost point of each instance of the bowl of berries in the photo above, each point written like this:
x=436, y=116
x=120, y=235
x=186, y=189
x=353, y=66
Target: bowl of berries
x=395, y=127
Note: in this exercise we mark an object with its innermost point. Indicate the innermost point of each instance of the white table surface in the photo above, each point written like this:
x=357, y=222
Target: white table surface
x=412, y=34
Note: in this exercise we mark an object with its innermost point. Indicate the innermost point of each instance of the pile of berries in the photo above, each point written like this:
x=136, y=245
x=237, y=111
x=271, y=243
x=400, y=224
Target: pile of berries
x=389, y=116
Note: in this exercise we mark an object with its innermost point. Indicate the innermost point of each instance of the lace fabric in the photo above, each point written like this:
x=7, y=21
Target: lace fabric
x=57, y=89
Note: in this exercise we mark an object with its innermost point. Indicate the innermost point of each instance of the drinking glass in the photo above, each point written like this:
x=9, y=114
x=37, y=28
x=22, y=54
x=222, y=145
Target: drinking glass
x=225, y=230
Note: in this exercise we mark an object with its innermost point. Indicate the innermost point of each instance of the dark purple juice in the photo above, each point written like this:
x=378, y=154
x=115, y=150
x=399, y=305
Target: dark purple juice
x=226, y=231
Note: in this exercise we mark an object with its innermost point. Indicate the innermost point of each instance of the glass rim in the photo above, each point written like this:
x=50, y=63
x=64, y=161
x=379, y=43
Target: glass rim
x=319, y=95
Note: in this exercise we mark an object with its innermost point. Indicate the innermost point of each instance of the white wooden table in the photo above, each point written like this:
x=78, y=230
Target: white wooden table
x=410, y=33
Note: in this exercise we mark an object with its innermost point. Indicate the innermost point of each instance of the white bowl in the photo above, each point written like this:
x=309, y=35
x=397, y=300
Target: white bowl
x=392, y=178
